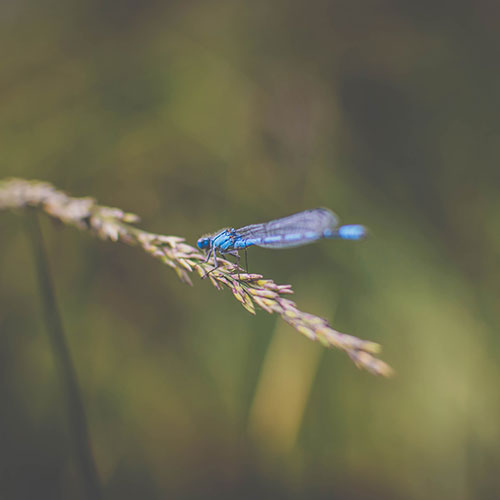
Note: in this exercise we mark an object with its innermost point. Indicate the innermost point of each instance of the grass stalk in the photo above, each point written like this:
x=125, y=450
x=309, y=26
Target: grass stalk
x=251, y=290
x=77, y=419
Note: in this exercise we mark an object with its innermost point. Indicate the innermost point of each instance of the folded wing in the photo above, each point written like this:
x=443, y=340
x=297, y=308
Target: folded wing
x=292, y=231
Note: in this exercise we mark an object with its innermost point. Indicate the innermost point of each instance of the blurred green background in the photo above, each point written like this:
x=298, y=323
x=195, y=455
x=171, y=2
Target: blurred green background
x=198, y=115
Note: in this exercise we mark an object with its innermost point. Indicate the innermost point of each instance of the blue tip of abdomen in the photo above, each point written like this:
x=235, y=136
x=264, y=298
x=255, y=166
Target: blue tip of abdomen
x=352, y=232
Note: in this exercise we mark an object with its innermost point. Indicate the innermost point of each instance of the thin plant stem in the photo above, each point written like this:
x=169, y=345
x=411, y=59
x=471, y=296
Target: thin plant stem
x=76, y=412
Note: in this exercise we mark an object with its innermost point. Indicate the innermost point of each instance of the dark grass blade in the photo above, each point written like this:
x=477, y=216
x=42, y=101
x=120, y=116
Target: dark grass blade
x=76, y=411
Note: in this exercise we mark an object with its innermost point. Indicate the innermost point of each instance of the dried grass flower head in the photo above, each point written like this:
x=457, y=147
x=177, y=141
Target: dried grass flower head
x=251, y=290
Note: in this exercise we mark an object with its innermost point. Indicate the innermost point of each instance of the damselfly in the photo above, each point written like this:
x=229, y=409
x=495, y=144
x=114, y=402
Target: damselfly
x=292, y=231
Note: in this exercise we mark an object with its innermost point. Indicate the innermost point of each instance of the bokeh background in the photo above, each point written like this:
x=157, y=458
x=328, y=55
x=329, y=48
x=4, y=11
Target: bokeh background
x=198, y=115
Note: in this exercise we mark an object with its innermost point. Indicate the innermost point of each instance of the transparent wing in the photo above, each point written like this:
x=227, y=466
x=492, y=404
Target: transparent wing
x=294, y=230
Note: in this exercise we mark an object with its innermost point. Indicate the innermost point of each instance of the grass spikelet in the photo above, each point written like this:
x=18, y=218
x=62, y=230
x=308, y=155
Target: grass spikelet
x=265, y=304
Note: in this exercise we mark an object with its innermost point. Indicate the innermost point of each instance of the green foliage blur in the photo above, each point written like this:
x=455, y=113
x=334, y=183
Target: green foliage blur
x=198, y=115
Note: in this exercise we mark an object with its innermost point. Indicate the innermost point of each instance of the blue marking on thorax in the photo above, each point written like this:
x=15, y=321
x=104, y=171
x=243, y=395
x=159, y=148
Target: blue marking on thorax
x=223, y=240
x=293, y=237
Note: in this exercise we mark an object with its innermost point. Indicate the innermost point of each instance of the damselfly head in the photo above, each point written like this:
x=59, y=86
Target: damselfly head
x=204, y=242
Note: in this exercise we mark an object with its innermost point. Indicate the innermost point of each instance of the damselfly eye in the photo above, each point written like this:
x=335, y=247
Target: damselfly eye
x=203, y=243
